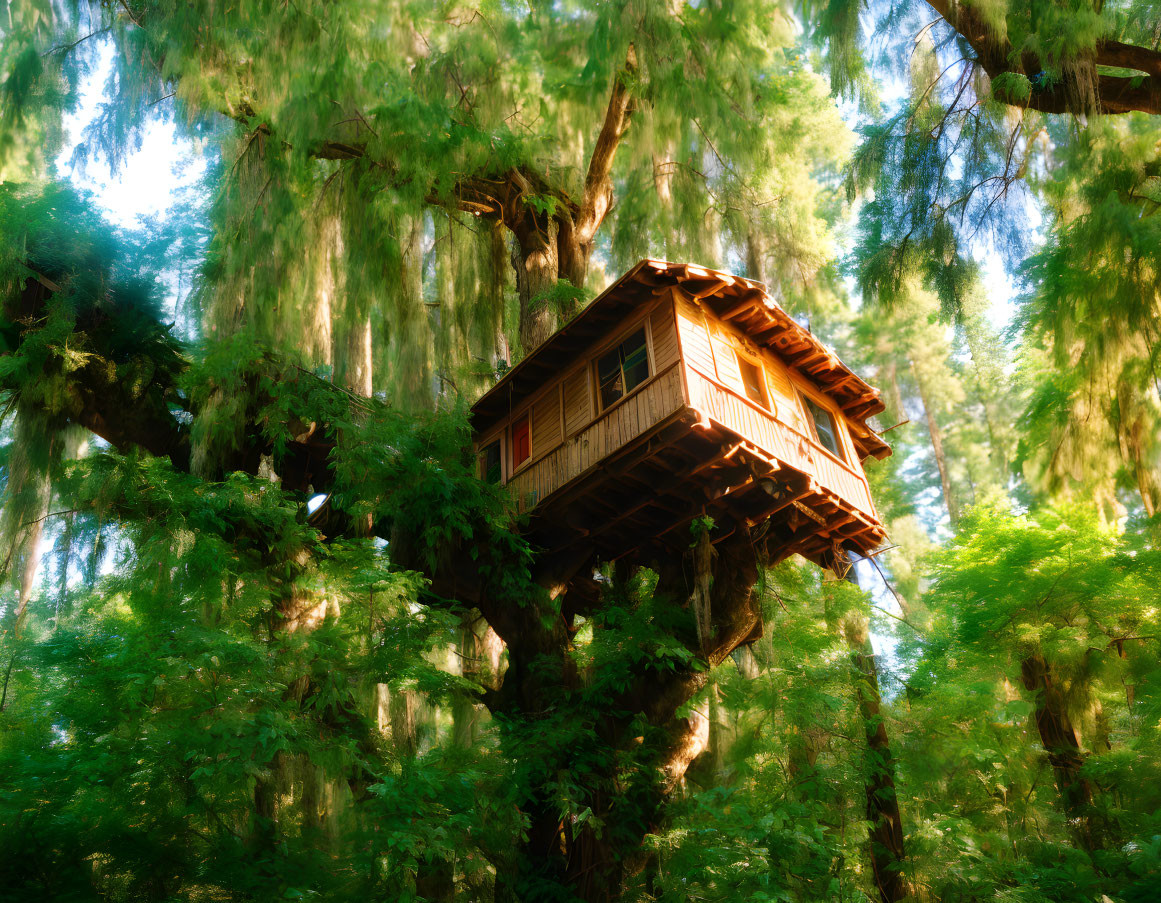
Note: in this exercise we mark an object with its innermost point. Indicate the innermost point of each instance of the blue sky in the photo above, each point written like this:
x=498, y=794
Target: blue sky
x=152, y=175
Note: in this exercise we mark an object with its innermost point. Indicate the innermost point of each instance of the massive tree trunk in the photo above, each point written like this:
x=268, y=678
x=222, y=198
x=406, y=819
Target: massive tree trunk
x=542, y=679
x=536, y=258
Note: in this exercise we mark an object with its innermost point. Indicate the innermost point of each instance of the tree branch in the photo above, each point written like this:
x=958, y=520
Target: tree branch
x=598, y=193
x=1115, y=93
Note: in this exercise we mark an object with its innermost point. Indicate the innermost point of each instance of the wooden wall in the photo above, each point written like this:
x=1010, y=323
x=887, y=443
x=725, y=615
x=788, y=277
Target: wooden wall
x=664, y=335
x=564, y=411
x=692, y=362
x=635, y=415
x=709, y=346
x=546, y=422
x=578, y=404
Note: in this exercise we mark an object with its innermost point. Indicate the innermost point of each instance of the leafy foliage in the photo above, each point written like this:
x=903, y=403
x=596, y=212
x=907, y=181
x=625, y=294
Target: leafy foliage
x=230, y=665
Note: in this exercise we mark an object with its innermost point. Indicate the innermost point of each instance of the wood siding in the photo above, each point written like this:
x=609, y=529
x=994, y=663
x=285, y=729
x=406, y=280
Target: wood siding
x=664, y=330
x=695, y=344
x=726, y=359
x=546, y=423
x=694, y=363
x=784, y=398
x=577, y=403
x=763, y=430
x=625, y=421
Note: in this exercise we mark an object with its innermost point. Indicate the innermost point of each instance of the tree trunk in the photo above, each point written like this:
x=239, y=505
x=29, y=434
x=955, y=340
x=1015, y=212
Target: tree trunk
x=326, y=299
x=937, y=447
x=1060, y=740
x=480, y=650
x=1133, y=445
x=889, y=377
x=29, y=565
x=888, y=854
x=562, y=857
x=887, y=850
x=986, y=392
x=27, y=498
x=557, y=242
x=536, y=258
x=663, y=172
x=402, y=706
x=354, y=369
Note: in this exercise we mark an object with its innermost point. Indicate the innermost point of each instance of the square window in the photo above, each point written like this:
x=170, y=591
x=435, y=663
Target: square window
x=521, y=442
x=636, y=360
x=623, y=368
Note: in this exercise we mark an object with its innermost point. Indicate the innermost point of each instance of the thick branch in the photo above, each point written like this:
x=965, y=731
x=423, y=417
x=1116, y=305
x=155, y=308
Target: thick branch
x=1115, y=93
x=598, y=194
x=1128, y=56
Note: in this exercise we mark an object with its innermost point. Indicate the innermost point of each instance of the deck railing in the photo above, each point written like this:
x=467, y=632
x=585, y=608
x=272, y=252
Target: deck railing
x=762, y=428
x=623, y=422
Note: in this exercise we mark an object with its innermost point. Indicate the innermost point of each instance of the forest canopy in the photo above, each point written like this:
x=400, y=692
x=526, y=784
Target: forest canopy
x=269, y=632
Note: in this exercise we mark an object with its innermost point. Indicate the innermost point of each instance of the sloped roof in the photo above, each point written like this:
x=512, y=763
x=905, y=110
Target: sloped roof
x=743, y=302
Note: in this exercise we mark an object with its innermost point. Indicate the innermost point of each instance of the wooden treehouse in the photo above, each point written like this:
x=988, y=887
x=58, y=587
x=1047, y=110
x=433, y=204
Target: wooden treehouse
x=683, y=391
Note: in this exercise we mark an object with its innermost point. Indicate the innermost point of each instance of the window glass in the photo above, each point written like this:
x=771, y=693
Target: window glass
x=623, y=369
x=754, y=381
x=488, y=463
x=824, y=427
x=521, y=442
x=610, y=378
x=636, y=360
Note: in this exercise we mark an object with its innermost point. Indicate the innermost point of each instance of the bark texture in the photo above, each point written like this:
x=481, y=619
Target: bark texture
x=888, y=853
x=542, y=677
x=1061, y=742
x=1082, y=89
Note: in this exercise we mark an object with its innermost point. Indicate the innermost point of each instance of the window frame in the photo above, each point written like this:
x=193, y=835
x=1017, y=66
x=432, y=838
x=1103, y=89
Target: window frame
x=642, y=326
x=811, y=398
x=496, y=439
x=744, y=359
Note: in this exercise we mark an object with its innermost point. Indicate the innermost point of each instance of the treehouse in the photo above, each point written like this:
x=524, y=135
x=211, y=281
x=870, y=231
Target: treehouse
x=682, y=392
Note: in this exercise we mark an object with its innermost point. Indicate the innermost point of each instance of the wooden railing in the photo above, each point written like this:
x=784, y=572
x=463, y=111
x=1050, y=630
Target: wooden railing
x=758, y=426
x=630, y=417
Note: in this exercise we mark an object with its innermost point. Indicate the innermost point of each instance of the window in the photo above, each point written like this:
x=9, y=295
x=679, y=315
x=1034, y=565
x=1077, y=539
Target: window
x=623, y=369
x=754, y=381
x=521, y=442
x=488, y=463
x=824, y=427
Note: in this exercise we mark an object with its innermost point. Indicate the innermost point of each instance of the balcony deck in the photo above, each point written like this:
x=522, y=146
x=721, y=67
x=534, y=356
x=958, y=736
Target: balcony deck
x=635, y=415
x=683, y=445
